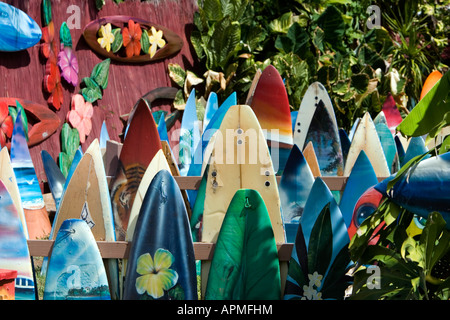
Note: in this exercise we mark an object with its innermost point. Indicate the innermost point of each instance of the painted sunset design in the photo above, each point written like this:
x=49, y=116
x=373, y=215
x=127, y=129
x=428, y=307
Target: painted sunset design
x=30, y=191
x=14, y=254
x=75, y=270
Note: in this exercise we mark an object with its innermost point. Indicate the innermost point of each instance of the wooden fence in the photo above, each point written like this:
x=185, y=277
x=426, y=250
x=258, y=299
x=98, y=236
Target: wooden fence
x=203, y=251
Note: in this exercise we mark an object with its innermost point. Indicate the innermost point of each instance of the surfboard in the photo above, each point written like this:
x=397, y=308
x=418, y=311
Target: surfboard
x=345, y=144
x=251, y=91
x=158, y=163
x=316, y=122
x=36, y=216
x=430, y=81
x=140, y=146
x=361, y=178
x=237, y=273
x=274, y=112
x=8, y=178
x=420, y=189
x=189, y=134
x=212, y=105
x=14, y=253
x=311, y=159
x=104, y=136
x=388, y=146
x=320, y=250
x=214, y=123
x=366, y=205
x=75, y=269
x=18, y=30
x=87, y=198
x=173, y=165
x=240, y=159
x=270, y=103
x=366, y=138
x=55, y=177
x=416, y=147
x=161, y=263
x=294, y=187
x=390, y=110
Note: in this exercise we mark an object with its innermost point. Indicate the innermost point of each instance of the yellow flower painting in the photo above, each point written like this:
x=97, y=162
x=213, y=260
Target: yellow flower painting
x=156, y=275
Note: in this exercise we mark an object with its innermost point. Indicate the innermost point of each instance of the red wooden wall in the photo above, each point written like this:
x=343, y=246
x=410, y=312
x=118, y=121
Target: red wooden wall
x=22, y=73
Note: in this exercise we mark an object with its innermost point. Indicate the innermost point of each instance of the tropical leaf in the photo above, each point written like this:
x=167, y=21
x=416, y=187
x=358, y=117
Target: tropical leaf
x=118, y=40
x=429, y=112
x=145, y=42
x=177, y=74
x=92, y=91
x=100, y=73
x=64, y=35
x=46, y=11
x=223, y=44
x=319, y=249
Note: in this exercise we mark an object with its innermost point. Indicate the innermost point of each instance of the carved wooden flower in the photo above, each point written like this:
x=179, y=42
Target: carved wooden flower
x=156, y=40
x=80, y=116
x=132, y=39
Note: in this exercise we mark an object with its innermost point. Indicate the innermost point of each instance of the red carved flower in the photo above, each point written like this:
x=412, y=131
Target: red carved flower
x=6, y=124
x=52, y=84
x=49, y=48
x=132, y=38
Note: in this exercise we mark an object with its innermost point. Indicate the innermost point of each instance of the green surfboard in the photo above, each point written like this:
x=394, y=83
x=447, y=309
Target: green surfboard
x=237, y=271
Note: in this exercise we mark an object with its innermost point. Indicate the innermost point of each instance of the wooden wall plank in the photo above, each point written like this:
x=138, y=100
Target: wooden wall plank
x=23, y=72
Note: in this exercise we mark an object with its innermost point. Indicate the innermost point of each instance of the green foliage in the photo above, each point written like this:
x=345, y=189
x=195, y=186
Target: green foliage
x=409, y=267
x=97, y=82
x=326, y=41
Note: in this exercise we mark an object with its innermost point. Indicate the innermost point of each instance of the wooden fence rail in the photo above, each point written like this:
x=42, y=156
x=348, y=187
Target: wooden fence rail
x=203, y=251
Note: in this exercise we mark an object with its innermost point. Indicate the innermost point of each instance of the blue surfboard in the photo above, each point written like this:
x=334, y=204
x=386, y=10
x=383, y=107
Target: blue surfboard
x=361, y=178
x=423, y=188
x=294, y=187
x=17, y=30
x=75, y=269
x=320, y=257
x=161, y=263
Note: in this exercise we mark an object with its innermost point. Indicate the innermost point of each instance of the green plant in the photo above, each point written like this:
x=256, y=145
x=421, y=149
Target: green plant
x=411, y=266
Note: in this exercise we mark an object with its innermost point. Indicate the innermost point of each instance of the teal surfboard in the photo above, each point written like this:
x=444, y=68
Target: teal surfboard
x=294, y=187
x=361, y=178
x=55, y=177
x=161, y=263
x=14, y=253
x=416, y=147
x=237, y=271
x=75, y=269
x=212, y=105
x=18, y=30
x=189, y=134
x=388, y=145
x=320, y=257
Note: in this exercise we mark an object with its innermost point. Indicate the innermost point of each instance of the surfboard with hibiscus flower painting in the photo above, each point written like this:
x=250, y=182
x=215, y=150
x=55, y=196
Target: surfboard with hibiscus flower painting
x=161, y=263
